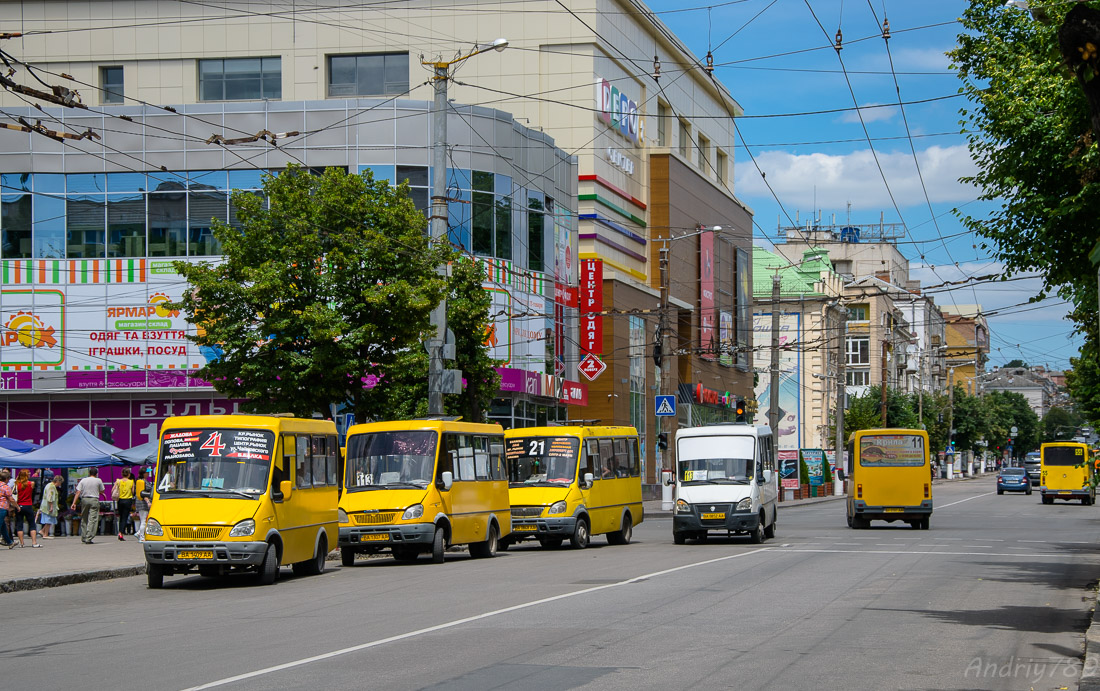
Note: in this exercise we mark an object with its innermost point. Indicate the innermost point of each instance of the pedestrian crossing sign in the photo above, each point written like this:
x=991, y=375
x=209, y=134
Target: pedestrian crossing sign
x=664, y=405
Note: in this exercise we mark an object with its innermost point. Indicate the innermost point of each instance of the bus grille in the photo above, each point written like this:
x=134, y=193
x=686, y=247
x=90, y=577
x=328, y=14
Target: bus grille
x=184, y=532
x=527, y=511
x=374, y=518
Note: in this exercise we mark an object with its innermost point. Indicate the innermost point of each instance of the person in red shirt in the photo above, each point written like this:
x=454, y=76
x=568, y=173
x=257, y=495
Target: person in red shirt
x=24, y=514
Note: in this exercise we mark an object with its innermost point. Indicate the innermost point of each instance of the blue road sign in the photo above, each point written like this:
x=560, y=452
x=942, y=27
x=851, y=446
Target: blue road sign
x=664, y=405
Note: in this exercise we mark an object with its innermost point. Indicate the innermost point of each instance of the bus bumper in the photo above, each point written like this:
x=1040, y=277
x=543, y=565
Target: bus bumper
x=892, y=513
x=734, y=522
x=542, y=528
x=1065, y=493
x=222, y=553
x=377, y=537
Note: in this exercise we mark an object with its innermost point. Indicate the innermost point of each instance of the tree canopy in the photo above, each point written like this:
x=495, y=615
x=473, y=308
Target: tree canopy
x=323, y=296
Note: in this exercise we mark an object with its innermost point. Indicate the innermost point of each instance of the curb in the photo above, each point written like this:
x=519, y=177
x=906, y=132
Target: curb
x=1090, y=670
x=60, y=579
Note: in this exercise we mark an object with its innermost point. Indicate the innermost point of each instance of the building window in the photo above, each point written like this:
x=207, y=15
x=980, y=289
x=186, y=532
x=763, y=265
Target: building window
x=536, y=235
x=685, y=138
x=703, y=154
x=110, y=85
x=857, y=313
x=720, y=167
x=858, y=377
x=662, y=124
x=243, y=79
x=859, y=351
x=377, y=74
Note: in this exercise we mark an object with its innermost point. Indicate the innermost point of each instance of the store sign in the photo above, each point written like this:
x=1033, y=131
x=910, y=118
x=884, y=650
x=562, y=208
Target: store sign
x=701, y=394
x=591, y=304
x=788, y=469
x=706, y=297
x=618, y=111
x=620, y=160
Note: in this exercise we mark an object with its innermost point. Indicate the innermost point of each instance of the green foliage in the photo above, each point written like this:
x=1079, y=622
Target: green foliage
x=332, y=281
x=1083, y=381
x=1031, y=139
x=803, y=472
x=865, y=412
x=1015, y=363
x=826, y=471
x=1060, y=424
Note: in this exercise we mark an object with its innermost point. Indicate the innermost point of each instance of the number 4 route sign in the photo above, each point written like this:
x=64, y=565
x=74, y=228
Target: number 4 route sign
x=591, y=367
x=664, y=405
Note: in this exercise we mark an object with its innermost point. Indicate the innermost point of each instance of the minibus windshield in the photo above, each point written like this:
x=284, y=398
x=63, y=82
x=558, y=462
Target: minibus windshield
x=396, y=459
x=215, y=462
x=717, y=471
x=1063, y=455
x=535, y=461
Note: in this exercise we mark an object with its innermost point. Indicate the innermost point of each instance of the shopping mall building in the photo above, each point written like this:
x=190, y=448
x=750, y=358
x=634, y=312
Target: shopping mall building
x=594, y=141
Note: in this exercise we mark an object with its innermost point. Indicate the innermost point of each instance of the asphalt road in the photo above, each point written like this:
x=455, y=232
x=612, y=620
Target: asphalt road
x=995, y=596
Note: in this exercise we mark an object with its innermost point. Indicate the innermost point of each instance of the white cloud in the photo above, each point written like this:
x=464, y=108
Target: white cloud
x=855, y=177
x=872, y=112
x=921, y=60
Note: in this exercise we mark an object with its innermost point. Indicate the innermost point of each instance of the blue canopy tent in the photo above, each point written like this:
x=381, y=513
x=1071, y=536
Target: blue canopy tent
x=17, y=445
x=77, y=448
x=143, y=454
x=4, y=453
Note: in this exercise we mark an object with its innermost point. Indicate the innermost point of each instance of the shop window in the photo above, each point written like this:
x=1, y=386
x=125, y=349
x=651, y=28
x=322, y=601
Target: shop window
x=241, y=79
x=371, y=74
x=111, y=85
x=662, y=123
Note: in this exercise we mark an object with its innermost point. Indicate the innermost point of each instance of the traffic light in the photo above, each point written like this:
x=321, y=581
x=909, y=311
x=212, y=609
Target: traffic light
x=740, y=410
x=662, y=441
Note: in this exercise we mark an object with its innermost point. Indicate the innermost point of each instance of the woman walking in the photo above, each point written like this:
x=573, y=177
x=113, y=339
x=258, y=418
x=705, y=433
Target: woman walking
x=48, y=509
x=123, y=493
x=24, y=513
x=7, y=505
x=144, y=498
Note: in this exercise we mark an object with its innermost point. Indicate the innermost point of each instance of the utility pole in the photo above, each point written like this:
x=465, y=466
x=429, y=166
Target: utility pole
x=438, y=230
x=773, y=402
x=950, y=422
x=666, y=378
x=841, y=383
x=885, y=375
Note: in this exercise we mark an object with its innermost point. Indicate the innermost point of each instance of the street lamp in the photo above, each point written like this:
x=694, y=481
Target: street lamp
x=438, y=231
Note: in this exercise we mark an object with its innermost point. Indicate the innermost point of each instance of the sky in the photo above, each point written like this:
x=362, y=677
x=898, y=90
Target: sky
x=776, y=58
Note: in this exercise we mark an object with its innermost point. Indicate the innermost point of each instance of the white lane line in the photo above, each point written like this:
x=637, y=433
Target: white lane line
x=992, y=539
x=1071, y=542
x=942, y=554
x=467, y=620
x=1042, y=542
x=852, y=544
x=977, y=496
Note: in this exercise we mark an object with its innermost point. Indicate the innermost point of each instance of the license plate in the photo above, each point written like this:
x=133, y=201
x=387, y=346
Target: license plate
x=713, y=516
x=205, y=554
x=1065, y=494
x=525, y=527
x=374, y=537
x=895, y=510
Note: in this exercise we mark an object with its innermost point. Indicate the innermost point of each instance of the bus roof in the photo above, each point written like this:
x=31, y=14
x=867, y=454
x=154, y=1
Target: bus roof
x=566, y=430
x=246, y=421
x=732, y=430
x=434, y=425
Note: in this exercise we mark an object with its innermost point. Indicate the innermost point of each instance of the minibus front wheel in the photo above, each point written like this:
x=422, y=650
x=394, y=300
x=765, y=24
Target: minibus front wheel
x=347, y=556
x=269, y=570
x=580, y=537
x=439, y=545
x=155, y=575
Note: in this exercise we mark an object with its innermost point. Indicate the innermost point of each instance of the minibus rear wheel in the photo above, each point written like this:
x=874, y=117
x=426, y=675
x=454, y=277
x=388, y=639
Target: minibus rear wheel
x=623, y=535
x=488, y=548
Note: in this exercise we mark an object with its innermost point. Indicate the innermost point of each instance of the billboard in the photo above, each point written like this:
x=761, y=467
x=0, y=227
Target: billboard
x=790, y=368
x=706, y=296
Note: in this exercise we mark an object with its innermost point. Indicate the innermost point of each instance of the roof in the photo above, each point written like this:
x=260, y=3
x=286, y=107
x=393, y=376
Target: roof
x=798, y=280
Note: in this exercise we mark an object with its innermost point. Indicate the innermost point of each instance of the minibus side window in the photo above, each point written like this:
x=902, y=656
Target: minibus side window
x=320, y=461
x=282, y=464
x=464, y=461
x=446, y=459
x=622, y=459
x=332, y=469
x=481, y=457
x=590, y=459
x=496, y=458
x=635, y=464
x=607, y=459
x=303, y=477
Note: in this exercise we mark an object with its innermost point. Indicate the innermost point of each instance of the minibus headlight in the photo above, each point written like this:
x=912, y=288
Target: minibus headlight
x=557, y=507
x=152, y=527
x=682, y=506
x=244, y=528
x=341, y=516
x=413, y=512
x=745, y=504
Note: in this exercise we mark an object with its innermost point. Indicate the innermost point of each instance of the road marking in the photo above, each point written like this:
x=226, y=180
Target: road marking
x=1042, y=542
x=977, y=496
x=1071, y=542
x=467, y=620
x=852, y=544
x=943, y=554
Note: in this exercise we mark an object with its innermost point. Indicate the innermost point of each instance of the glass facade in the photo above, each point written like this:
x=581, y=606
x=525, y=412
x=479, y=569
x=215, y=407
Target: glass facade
x=375, y=74
x=240, y=79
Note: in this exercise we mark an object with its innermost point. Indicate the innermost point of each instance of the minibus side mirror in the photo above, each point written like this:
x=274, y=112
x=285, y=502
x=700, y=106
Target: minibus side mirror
x=840, y=474
x=286, y=488
x=448, y=480
x=589, y=478
x=670, y=480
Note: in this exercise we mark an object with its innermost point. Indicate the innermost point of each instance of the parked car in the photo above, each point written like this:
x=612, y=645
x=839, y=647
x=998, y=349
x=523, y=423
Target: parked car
x=1013, y=480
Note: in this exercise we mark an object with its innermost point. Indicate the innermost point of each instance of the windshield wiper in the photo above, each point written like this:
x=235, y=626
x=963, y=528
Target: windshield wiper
x=239, y=493
x=406, y=484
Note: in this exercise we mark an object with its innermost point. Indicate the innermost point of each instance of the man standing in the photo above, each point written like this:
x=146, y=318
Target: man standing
x=88, y=492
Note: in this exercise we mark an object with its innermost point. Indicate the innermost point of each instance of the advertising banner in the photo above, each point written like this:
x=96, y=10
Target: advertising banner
x=788, y=469
x=814, y=458
x=790, y=385
x=706, y=296
x=725, y=338
x=591, y=304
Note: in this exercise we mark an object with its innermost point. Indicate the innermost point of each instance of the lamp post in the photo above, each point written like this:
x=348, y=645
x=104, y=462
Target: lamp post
x=438, y=230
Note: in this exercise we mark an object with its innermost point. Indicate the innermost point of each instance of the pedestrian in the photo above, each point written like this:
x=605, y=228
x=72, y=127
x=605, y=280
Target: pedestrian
x=123, y=493
x=7, y=503
x=143, y=502
x=49, y=508
x=24, y=512
x=88, y=492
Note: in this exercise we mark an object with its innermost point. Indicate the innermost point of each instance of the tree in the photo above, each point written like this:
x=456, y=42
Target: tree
x=1015, y=363
x=1036, y=152
x=1083, y=381
x=865, y=412
x=1007, y=410
x=1060, y=424
x=321, y=293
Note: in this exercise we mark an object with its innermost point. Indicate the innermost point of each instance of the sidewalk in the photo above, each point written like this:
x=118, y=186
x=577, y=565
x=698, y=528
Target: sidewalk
x=65, y=560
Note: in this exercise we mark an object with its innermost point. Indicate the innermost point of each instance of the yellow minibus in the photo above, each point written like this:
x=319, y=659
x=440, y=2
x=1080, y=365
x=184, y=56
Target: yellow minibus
x=242, y=493
x=890, y=477
x=1065, y=472
x=416, y=486
x=569, y=483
